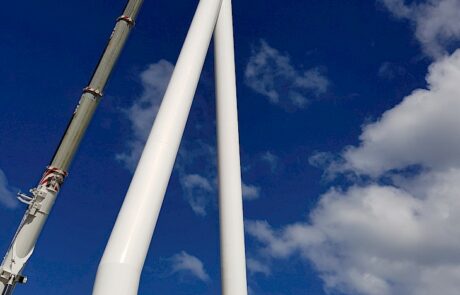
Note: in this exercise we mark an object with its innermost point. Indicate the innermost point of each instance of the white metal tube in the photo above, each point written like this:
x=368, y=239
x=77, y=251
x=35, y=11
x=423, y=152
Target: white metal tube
x=45, y=194
x=121, y=265
x=233, y=260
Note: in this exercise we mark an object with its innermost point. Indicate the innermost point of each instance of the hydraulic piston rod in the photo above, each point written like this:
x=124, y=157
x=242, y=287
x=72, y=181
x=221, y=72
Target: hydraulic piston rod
x=44, y=195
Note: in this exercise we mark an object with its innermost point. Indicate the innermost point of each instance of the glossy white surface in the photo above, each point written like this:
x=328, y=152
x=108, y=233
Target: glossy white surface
x=233, y=261
x=121, y=265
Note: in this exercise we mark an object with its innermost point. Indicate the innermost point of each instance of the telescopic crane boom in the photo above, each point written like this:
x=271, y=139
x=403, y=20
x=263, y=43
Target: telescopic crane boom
x=43, y=196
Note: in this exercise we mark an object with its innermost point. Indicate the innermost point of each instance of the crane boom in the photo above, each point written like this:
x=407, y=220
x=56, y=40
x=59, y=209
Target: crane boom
x=121, y=265
x=43, y=196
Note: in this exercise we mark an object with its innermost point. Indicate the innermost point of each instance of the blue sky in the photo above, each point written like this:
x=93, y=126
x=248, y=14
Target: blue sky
x=348, y=113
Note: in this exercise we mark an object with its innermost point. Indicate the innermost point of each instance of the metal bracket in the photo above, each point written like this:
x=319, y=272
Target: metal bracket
x=12, y=279
x=21, y=279
x=93, y=91
x=53, y=178
x=9, y=281
x=5, y=275
x=23, y=198
x=127, y=19
x=34, y=208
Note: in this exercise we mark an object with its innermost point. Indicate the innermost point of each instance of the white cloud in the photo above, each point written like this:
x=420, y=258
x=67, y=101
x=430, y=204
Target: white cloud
x=6, y=193
x=271, y=159
x=436, y=22
x=254, y=266
x=271, y=74
x=391, y=71
x=379, y=239
x=196, y=166
x=142, y=113
x=250, y=192
x=184, y=262
x=398, y=238
x=197, y=190
x=283, y=243
x=421, y=130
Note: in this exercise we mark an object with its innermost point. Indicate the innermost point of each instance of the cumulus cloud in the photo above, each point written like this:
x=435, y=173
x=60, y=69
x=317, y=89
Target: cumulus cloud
x=6, y=193
x=271, y=159
x=401, y=237
x=435, y=21
x=250, y=192
x=271, y=73
x=255, y=266
x=186, y=263
x=391, y=71
x=197, y=190
x=379, y=240
x=196, y=166
x=142, y=113
x=419, y=131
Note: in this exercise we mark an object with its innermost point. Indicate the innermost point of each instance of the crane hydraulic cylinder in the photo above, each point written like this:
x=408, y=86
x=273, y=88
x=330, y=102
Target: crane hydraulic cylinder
x=43, y=196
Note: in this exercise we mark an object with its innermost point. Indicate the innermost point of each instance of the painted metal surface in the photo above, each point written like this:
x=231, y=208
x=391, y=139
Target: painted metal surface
x=121, y=265
x=44, y=195
x=233, y=259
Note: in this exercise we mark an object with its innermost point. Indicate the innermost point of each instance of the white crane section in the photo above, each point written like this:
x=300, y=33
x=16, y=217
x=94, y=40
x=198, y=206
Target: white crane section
x=124, y=256
x=233, y=259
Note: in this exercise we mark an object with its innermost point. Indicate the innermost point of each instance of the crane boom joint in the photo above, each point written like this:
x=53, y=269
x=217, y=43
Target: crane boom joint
x=127, y=19
x=94, y=91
